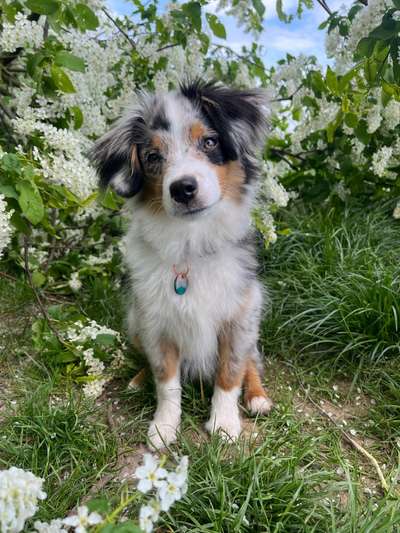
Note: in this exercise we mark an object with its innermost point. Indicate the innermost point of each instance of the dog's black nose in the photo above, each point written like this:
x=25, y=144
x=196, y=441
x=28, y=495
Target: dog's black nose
x=183, y=190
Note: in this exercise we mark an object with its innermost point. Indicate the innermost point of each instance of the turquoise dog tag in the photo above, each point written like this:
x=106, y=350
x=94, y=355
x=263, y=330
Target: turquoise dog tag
x=181, y=284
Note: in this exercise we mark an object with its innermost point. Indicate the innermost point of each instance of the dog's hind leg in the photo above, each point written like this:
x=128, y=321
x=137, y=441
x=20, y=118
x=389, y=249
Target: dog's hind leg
x=255, y=396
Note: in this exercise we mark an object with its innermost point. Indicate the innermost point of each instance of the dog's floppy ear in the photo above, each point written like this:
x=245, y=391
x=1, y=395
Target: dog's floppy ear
x=115, y=156
x=244, y=110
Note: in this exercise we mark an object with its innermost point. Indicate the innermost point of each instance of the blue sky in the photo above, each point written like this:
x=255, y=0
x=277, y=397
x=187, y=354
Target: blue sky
x=300, y=36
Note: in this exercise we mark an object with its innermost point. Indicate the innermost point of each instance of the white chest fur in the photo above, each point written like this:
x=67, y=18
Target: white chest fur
x=216, y=282
x=192, y=320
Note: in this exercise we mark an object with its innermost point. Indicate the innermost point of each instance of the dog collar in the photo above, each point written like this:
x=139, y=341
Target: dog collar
x=181, y=281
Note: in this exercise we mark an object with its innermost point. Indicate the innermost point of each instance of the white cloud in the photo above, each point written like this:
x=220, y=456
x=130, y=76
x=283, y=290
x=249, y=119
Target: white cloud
x=292, y=41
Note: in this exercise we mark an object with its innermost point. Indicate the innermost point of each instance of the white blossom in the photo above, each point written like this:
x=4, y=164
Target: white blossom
x=5, y=226
x=74, y=282
x=171, y=489
x=149, y=474
x=148, y=515
x=55, y=526
x=19, y=494
x=22, y=33
x=380, y=160
x=82, y=520
x=391, y=114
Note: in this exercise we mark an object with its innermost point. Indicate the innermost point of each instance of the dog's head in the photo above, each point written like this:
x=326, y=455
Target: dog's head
x=185, y=151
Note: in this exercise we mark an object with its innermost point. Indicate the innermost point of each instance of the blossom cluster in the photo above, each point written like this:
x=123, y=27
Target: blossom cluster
x=101, y=359
x=20, y=492
x=168, y=487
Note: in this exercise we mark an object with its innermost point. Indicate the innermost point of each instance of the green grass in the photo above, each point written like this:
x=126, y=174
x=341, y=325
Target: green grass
x=331, y=330
x=335, y=283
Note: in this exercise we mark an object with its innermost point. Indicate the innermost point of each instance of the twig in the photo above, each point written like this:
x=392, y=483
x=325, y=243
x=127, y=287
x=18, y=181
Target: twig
x=35, y=292
x=323, y=4
x=239, y=56
x=167, y=46
x=121, y=30
x=344, y=433
x=7, y=276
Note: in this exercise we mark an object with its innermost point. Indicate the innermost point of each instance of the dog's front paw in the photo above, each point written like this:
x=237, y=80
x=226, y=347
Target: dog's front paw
x=259, y=405
x=161, y=434
x=227, y=425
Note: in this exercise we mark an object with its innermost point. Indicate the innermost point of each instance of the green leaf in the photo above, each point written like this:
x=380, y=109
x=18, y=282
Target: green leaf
x=317, y=82
x=331, y=81
x=43, y=7
x=216, y=26
x=30, y=201
x=65, y=357
x=361, y=132
x=99, y=505
x=86, y=18
x=391, y=89
x=105, y=339
x=281, y=14
x=370, y=70
x=70, y=61
x=388, y=29
x=38, y=279
x=10, y=163
x=78, y=116
x=8, y=191
x=193, y=11
x=259, y=7
x=364, y=48
x=109, y=200
x=351, y=120
x=61, y=80
x=20, y=223
x=397, y=3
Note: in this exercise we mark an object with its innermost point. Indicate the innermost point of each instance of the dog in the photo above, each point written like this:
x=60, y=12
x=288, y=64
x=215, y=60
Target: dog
x=187, y=162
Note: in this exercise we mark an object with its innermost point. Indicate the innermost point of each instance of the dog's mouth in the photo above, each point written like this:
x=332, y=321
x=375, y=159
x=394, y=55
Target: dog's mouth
x=195, y=211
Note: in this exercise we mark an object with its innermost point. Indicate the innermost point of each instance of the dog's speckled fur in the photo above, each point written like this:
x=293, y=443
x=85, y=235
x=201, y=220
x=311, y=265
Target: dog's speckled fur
x=210, y=133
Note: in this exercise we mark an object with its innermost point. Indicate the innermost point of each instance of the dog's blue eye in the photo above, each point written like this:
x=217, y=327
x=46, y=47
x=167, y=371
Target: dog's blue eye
x=209, y=143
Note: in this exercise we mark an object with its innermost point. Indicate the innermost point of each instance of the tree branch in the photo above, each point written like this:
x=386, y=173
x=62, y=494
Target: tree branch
x=121, y=30
x=325, y=6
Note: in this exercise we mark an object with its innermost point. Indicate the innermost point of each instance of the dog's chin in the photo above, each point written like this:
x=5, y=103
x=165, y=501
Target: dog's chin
x=192, y=213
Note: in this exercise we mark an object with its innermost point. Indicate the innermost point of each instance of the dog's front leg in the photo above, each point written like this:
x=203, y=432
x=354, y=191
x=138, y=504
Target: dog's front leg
x=228, y=385
x=166, y=370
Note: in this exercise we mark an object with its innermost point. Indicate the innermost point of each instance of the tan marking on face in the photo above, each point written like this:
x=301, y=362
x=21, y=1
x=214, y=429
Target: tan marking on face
x=253, y=386
x=228, y=376
x=169, y=364
x=157, y=142
x=152, y=194
x=197, y=131
x=134, y=158
x=231, y=178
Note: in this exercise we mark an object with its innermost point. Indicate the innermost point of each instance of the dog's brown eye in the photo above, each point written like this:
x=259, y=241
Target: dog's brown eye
x=153, y=157
x=209, y=143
